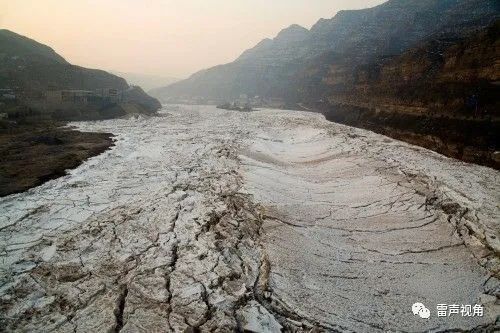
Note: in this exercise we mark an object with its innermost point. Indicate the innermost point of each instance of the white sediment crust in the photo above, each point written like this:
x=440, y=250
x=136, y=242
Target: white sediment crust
x=262, y=221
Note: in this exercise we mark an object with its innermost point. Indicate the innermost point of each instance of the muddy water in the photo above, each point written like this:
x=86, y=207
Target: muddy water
x=211, y=219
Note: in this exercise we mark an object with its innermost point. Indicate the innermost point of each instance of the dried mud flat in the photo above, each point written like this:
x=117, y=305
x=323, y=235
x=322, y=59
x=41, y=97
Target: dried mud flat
x=212, y=220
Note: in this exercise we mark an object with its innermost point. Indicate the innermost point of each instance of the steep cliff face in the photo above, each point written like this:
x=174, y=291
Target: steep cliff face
x=397, y=25
x=263, y=70
x=442, y=95
x=359, y=35
x=436, y=77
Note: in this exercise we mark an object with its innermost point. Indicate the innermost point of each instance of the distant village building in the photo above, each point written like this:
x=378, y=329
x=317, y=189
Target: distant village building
x=7, y=94
x=112, y=95
x=76, y=96
x=83, y=96
x=54, y=96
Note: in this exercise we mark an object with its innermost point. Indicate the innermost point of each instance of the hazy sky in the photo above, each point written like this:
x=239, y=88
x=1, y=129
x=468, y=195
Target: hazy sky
x=162, y=37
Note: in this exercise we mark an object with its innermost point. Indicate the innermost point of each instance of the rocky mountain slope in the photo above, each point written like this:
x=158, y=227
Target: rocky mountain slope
x=442, y=95
x=14, y=45
x=359, y=35
x=32, y=68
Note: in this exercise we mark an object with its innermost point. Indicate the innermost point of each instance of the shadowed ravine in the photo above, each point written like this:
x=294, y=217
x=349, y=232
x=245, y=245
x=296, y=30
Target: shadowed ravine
x=264, y=221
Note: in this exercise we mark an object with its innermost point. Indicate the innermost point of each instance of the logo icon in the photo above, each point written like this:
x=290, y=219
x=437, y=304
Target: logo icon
x=420, y=310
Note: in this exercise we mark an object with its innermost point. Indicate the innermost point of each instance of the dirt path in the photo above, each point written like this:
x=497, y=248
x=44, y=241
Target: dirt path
x=214, y=220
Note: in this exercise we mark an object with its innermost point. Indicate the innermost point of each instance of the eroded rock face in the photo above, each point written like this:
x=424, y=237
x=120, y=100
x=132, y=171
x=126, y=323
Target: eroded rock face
x=269, y=221
x=440, y=95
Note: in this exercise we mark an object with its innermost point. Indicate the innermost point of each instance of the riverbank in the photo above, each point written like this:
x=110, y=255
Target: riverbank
x=33, y=154
x=472, y=140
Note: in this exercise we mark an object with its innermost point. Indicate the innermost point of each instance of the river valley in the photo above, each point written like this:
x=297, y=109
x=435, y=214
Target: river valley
x=203, y=219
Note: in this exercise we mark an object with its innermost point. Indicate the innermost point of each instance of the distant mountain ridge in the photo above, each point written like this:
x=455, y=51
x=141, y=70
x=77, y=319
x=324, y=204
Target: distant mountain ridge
x=29, y=65
x=289, y=42
x=31, y=69
x=146, y=81
x=384, y=30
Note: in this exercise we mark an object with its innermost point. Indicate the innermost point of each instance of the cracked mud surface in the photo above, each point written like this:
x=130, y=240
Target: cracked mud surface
x=213, y=220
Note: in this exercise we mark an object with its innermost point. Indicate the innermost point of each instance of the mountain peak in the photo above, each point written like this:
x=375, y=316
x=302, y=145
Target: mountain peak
x=14, y=44
x=293, y=32
x=286, y=38
x=294, y=28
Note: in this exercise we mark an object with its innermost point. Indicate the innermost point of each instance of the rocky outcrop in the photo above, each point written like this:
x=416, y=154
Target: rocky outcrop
x=433, y=78
x=398, y=25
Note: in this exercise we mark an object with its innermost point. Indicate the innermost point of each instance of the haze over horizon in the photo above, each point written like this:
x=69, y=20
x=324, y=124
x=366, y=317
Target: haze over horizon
x=164, y=38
